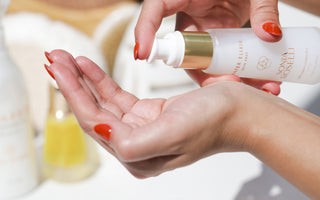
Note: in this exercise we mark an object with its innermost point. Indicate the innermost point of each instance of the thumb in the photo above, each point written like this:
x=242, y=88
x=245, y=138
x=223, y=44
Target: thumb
x=264, y=17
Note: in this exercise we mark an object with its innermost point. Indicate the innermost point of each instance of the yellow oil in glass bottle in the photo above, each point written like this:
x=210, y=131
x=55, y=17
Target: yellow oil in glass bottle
x=69, y=154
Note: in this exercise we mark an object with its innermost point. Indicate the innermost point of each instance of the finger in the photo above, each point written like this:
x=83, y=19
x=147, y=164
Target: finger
x=204, y=79
x=185, y=22
x=65, y=58
x=104, y=144
x=145, y=142
x=73, y=91
x=148, y=24
x=105, y=86
x=85, y=109
x=155, y=166
x=264, y=18
x=68, y=61
x=272, y=87
x=152, y=13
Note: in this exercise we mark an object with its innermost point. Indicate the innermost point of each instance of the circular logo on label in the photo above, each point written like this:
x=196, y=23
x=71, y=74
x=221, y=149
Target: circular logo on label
x=264, y=63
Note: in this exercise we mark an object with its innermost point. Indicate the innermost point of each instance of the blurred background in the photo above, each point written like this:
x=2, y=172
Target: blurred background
x=103, y=30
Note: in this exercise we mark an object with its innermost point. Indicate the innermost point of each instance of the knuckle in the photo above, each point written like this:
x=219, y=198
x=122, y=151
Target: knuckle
x=138, y=175
x=141, y=172
x=125, y=150
x=266, y=7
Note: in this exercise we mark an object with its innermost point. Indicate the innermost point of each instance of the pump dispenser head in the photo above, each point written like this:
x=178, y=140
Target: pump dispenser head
x=169, y=49
x=189, y=50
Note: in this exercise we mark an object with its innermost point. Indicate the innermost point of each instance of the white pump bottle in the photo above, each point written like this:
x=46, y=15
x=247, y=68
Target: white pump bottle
x=295, y=58
x=18, y=171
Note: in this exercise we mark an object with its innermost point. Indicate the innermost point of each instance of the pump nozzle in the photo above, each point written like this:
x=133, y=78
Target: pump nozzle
x=190, y=50
x=170, y=49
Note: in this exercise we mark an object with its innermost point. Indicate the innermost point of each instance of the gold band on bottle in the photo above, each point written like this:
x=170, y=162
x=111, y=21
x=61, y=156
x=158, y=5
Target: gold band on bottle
x=198, y=50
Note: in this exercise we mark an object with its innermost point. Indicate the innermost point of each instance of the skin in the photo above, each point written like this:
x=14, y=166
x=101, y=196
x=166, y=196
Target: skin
x=151, y=136
x=311, y=6
x=200, y=15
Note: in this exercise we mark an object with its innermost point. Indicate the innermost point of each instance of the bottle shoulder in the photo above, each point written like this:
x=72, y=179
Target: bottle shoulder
x=9, y=71
x=12, y=85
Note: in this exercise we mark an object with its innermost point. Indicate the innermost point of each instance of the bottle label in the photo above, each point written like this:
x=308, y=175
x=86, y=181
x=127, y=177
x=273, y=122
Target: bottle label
x=282, y=65
x=242, y=53
x=17, y=159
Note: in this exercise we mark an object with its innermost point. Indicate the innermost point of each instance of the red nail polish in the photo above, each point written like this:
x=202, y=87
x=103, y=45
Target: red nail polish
x=49, y=71
x=136, y=50
x=267, y=91
x=47, y=56
x=272, y=28
x=104, y=130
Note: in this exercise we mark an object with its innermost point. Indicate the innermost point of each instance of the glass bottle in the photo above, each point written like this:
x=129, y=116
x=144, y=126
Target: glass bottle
x=295, y=58
x=69, y=154
x=18, y=171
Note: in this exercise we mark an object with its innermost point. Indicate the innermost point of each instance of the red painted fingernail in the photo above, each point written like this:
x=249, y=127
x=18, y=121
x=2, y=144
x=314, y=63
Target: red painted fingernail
x=104, y=130
x=47, y=56
x=136, y=50
x=266, y=90
x=272, y=28
x=49, y=71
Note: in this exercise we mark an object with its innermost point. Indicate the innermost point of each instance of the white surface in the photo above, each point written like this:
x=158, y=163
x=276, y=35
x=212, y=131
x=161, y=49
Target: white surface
x=223, y=177
x=120, y=15
x=220, y=176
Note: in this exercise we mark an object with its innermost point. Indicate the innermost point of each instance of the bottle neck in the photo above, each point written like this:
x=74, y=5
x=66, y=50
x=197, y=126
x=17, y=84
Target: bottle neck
x=3, y=46
x=8, y=69
x=198, y=50
x=59, y=107
x=3, y=8
x=189, y=50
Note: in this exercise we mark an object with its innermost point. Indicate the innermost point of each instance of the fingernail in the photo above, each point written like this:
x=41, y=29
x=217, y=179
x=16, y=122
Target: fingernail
x=48, y=57
x=266, y=90
x=136, y=50
x=104, y=130
x=272, y=28
x=49, y=71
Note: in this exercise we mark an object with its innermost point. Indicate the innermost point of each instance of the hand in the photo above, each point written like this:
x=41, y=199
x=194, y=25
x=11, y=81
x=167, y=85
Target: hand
x=151, y=136
x=148, y=136
x=200, y=15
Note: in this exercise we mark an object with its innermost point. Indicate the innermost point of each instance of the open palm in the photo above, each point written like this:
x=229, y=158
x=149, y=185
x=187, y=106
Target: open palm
x=149, y=136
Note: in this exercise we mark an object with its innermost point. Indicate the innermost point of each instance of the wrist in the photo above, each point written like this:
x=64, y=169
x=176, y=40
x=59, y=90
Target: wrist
x=250, y=119
x=281, y=135
x=240, y=122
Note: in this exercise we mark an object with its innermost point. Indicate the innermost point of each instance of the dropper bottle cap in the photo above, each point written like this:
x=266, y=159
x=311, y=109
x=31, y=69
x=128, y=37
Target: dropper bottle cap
x=189, y=50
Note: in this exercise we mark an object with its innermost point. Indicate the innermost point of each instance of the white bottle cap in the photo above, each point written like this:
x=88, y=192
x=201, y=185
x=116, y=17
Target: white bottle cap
x=189, y=50
x=170, y=49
